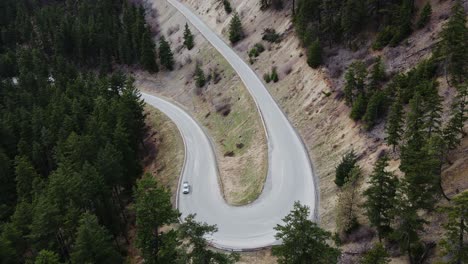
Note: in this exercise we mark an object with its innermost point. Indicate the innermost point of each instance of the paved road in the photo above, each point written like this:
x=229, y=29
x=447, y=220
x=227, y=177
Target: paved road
x=290, y=177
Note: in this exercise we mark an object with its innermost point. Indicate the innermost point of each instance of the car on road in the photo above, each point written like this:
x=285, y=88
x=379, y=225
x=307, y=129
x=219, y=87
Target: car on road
x=185, y=188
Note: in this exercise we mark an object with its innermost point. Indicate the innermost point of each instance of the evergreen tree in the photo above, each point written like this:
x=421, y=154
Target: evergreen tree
x=377, y=255
x=359, y=107
x=196, y=245
x=394, y=127
x=93, y=243
x=453, y=132
x=188, y=38
x=376, y=108
x=303, y=241
x=47, y=257
x=380, y=197
x=153, y=210
x=377, y=74
x=432, y=106
x=227, y=6
x=454, y=245
x=453, y=45
x=200, y=79
x=25, y=175
x=314, y=54
x=425, y=15
x=343, y=170
x=165, y=54
x=235, y=29
x=148, y=54
x=355, y=81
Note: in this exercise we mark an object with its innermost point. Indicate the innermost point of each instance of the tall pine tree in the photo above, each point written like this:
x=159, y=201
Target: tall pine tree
x=165, y=54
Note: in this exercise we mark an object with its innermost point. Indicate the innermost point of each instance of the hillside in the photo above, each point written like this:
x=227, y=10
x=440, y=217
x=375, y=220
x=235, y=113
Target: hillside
x=313, y=99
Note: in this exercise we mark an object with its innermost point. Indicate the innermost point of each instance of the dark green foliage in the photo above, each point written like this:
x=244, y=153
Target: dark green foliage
x=454, y=245
x=336, y=22
x=256, y=51
x=314, y=54
x=148, y=54
x=166, y=57
x=377, y=255
x=270, y=35
x=377, y=74
x=381, y=198
x=47, y=257
x=303, y=241
x=359, y=107
x=274, y=75
x=154, y=210
x=343, y=170
x=376, y=108
x=348, y=202
x=188, y=38
x=425, y=15
x=93, y=243
x=267, y=77
x=193, y=232
x=394, y=126
x=453, y=48
x=235, y=29
x=200, y=78
x=276, y=4
x=453, y=131
x=355, y=81
x=227, y=6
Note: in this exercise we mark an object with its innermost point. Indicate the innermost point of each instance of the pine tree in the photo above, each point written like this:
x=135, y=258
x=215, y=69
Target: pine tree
x=148, y=54
x=453, y=132
x=165, y=54
x=199, y=76
x=153, y=210
x=343, y=170
x=454, y=245
x=227, y=6
x=93, y=243
x=376, y=109
x=47, y=257
x=197, y=246
x=235, y=29
x=355, y=81
x=377, y=74
x=188, y=38
x=359, y=107
x=453, y=45
x=432, y=106
x=381, y=198
x=394, y=127
x=302, y=240
x=314, y=54
x=25, y=175
x=377, y=255
x=425, y=16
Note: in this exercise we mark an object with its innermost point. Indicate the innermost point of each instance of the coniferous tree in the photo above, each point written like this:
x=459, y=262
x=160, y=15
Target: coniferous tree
x=453, y=45
x=93, y=243
x=197, y=247
x=188, y=38
x=359, y=107
x=432, y=106
x=376, y=109
x=453, y=131
x=377, y=255
x=454, y=245
x=148, y=56
x=235, y=29
x=199, y=76
x=343, y=170
x=47, y=257
x=314, y=54
x=394, y=127
x=153, y=211
x=303, y=240
x=381, y=198
x=377, y=74
x=165, y=54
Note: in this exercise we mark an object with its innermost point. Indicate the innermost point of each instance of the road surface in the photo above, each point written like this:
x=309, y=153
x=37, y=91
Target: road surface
x=290, y=177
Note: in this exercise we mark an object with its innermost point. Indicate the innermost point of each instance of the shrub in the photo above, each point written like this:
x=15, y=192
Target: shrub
x=199, y=76
x=274, y=75
x=270, y=35
x=314, y=54
x=425, y=15
x=266, y=77
x=227, y=6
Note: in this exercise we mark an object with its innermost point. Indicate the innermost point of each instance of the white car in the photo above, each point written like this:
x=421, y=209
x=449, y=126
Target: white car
x=185, y=188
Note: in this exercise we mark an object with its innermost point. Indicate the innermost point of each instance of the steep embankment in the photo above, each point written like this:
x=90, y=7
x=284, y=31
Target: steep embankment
x=223, y=106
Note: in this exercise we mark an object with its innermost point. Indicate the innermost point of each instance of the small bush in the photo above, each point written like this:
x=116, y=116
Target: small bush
x=314, y=54
x=266, y=77
x=342, y=171
x=255, y=52
x=274, y=75
x=199, y=75
x=270, y=35
x=227, y=6
x=384, y=37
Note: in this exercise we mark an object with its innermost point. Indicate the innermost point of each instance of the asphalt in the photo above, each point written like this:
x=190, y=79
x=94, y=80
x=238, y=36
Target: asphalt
x=290, y=176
